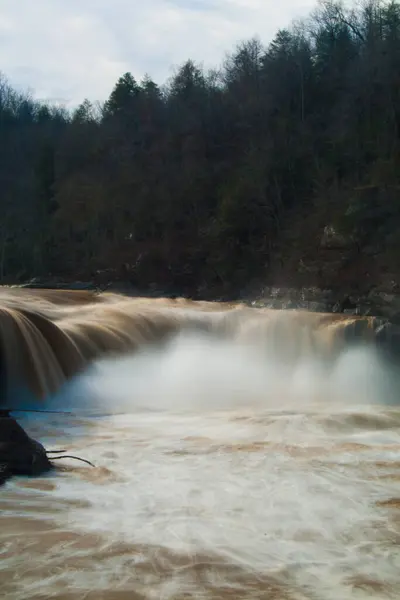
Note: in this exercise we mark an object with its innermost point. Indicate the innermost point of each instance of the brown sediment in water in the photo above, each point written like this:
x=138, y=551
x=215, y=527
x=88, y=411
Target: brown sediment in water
x=143, y=567
x=37, y=484
x=391, y=503
x=41, y=550
x=98, y=475
x=372, y=586
x=48, y=336
x=252, y=509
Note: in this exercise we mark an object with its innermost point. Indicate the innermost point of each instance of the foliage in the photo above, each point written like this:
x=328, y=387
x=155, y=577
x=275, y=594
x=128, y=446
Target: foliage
x=195, y=181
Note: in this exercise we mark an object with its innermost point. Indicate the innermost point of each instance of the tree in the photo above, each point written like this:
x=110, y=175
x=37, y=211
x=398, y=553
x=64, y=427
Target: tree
x=211, y=177
x=123, y=96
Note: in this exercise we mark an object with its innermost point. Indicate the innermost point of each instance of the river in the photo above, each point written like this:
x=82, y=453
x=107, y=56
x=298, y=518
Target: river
x=219, y=473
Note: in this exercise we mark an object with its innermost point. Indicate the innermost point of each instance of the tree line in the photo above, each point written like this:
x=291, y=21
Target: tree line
x=192, y=184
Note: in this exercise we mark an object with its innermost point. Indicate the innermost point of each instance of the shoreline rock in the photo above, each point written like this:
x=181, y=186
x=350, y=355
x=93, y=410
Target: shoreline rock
x=19, y=453
x=381, y=301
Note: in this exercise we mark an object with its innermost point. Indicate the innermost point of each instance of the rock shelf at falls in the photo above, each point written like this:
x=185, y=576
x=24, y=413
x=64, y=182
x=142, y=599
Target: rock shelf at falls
x=48, y=336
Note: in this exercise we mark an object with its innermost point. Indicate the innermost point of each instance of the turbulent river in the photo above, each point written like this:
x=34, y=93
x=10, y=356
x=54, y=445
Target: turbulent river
x=226, y=465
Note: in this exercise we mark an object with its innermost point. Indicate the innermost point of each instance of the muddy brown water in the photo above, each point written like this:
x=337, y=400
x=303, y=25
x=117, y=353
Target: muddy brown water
x=219, y=474
x=232, y=512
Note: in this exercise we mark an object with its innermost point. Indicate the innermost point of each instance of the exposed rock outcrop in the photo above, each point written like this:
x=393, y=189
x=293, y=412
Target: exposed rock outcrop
x=378, y=302
x=19, y=453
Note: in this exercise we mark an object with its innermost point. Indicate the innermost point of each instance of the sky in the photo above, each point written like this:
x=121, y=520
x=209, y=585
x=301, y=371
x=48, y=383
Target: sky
x=68, y=50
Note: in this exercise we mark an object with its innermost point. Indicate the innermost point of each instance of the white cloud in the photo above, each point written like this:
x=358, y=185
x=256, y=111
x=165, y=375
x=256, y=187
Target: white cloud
x=69, y=50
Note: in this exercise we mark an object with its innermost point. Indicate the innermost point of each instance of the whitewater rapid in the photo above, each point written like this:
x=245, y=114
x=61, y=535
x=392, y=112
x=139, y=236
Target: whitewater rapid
x=220, y=473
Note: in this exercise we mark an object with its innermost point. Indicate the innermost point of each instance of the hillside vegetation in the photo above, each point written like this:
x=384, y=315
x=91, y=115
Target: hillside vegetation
x=282, y=166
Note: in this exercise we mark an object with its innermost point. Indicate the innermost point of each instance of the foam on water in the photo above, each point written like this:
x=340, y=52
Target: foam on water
x=212, y=449
x=199, y=372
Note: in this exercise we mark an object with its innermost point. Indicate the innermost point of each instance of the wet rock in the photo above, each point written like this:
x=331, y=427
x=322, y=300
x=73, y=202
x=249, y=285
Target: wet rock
x=4, y=473
x=19, y=453
x=319, y=307
x=347, y=305
x=387, y=337
x=49, y=284
x=313, y=299
x=376, y=302
x=385, y=303
x=332, y=238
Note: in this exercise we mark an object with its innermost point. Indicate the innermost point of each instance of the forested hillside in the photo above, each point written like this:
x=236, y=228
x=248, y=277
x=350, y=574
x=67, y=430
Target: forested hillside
x=281, y=165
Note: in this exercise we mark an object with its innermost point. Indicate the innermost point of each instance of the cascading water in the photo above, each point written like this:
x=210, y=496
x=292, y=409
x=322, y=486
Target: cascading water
x=239, y=452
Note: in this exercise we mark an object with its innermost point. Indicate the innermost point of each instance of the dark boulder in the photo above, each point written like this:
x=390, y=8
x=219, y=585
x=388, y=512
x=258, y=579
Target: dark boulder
x=19, y=453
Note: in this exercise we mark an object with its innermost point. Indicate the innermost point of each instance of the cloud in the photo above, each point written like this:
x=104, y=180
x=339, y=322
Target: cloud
x=71, y=50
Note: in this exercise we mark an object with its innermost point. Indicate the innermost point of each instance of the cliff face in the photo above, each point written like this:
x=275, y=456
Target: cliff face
x=342, y=256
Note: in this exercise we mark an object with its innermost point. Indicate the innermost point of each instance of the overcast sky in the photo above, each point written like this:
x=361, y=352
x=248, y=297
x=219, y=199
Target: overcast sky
x=66, y=50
